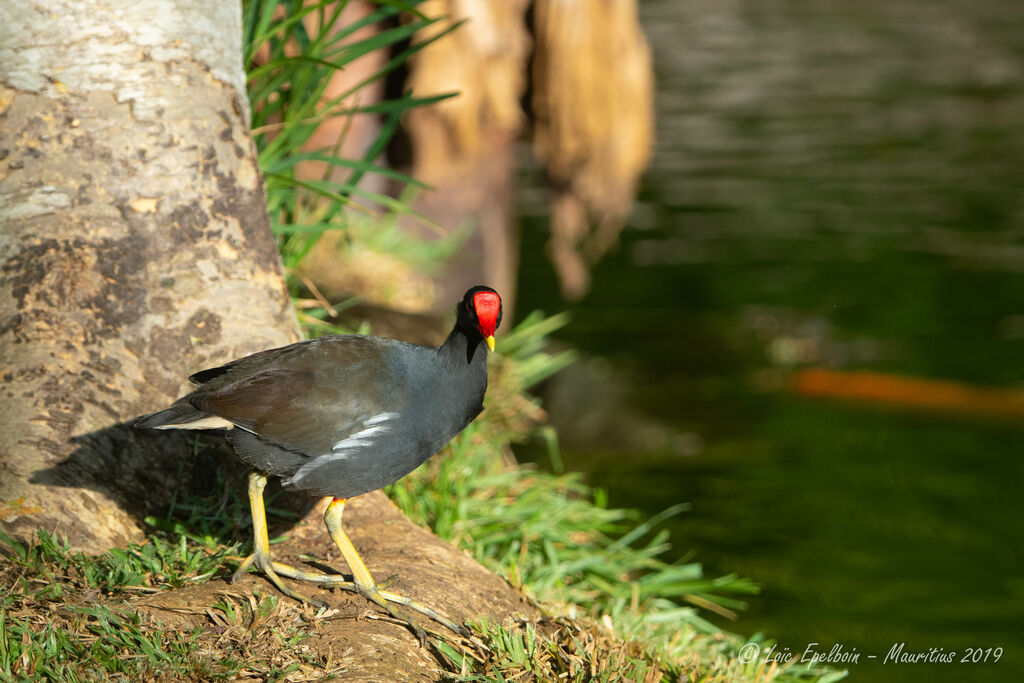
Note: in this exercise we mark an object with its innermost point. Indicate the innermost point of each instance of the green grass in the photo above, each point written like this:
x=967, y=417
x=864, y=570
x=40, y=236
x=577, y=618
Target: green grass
x=59, y=621
x=64, y=615
x=47, y=569
x=292, y=49
x=90, y=643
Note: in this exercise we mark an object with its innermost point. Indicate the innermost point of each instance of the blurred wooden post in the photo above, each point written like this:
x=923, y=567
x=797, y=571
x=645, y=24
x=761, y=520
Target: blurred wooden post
x=352, y=133
x=594, y=114
x=593, y=105
x=465, y=146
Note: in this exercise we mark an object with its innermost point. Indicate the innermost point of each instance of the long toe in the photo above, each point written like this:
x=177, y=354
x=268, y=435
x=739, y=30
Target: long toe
x=330, y=580
x=378, y=598
x=243, y=568
x=422, y=609
x=319, y=603
x=269, y=569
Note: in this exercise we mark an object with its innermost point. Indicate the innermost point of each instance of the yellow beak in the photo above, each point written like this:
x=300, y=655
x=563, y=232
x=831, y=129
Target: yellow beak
x=490, y=341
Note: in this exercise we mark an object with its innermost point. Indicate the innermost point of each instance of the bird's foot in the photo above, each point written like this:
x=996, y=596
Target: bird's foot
x=378, y=598
x=331, y=580
x=374, y=593
x=382, y=597
x=387, y=583
x=273, y=571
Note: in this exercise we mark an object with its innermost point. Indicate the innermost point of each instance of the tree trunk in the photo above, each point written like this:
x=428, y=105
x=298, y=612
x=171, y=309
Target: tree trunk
x=135, y=250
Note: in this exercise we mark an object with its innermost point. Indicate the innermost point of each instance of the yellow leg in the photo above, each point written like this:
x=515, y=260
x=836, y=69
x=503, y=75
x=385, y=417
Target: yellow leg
x=363, y=582
x=332, y=518
x=261, y=544
x=367, y=587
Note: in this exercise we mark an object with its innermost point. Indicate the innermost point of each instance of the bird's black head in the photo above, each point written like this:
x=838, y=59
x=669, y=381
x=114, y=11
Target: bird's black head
x=479, y=313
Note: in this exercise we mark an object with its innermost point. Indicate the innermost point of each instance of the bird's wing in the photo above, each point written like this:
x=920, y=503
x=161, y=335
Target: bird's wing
x=306, y=398
x=246, y=364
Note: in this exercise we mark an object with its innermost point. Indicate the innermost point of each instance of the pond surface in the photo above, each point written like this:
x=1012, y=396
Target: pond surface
x=836, y=186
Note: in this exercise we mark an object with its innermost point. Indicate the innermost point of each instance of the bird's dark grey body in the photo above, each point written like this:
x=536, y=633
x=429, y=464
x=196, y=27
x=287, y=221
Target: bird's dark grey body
x=342, y=415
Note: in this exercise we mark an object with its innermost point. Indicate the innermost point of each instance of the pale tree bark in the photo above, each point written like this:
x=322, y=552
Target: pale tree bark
x=135, y=249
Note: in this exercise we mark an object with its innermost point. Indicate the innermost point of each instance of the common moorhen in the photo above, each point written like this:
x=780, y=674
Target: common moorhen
x=341, y=416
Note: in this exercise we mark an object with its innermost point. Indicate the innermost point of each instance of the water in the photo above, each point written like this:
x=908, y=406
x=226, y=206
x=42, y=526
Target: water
x=836, y=185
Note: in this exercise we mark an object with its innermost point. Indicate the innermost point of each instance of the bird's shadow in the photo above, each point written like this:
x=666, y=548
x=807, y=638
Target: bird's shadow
x=173, y=479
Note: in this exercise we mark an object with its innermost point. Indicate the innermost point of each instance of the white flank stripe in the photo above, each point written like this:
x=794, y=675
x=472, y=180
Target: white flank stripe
x=383, y=417
x=372, y=427
x=365, y=436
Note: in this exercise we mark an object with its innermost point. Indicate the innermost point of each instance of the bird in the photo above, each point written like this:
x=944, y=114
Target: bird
x=340, y=416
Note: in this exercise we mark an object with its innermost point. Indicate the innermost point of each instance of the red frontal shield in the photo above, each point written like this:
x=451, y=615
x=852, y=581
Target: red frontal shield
x=487, y=305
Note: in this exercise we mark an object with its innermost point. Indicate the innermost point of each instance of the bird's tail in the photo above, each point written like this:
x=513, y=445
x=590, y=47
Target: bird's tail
x=181, y=415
